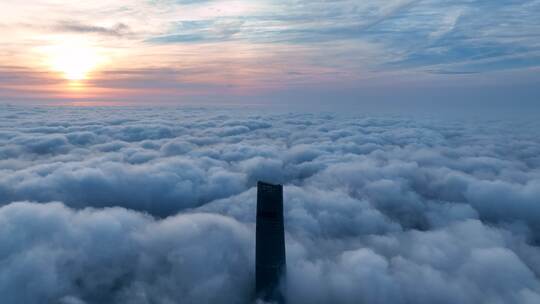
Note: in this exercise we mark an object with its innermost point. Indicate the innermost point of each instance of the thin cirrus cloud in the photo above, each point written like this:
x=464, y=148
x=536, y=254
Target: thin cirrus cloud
x=138, y=205
x=118, y=29
x=282, y=46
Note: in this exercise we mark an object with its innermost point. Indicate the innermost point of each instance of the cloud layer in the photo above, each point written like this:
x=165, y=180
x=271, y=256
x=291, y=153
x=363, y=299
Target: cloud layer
x=138, y=205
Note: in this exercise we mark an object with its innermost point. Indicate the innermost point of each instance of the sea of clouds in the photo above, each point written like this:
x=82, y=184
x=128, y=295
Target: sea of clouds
x=140, y=205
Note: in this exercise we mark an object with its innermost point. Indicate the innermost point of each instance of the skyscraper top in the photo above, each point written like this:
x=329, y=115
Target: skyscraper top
x=270, y=243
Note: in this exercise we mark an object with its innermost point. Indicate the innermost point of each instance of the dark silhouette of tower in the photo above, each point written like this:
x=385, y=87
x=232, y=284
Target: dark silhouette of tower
x=270, y=243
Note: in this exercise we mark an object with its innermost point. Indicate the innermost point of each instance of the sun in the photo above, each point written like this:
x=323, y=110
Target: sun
x=73, y=59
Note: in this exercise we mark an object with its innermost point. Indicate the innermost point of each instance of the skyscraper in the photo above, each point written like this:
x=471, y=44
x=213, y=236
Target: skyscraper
x=270, y=263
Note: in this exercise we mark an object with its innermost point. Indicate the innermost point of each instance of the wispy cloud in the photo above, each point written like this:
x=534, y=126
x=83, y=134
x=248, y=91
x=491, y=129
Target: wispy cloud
x=118, y=29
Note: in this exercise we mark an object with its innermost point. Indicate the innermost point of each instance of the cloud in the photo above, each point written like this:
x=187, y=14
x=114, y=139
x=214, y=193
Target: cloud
x=468, y=36
x=200, y=31
x=145, y=205
x=118, y=29
x=444, y=266
x=119, y=256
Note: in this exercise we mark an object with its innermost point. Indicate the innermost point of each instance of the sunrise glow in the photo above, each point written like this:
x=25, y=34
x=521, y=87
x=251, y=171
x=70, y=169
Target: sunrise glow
x=73, y=60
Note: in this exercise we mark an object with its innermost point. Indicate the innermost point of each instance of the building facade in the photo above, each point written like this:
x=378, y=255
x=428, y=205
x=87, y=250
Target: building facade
x=270, y=263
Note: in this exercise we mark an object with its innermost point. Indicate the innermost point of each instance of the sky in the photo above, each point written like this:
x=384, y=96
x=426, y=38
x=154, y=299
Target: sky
x=269, y=52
